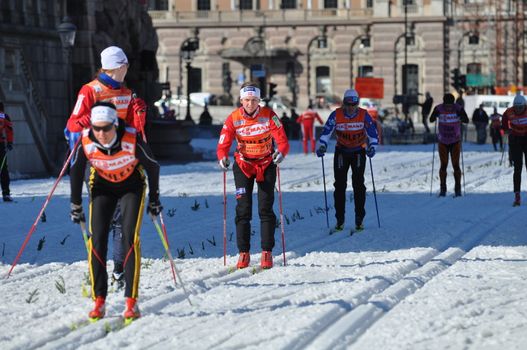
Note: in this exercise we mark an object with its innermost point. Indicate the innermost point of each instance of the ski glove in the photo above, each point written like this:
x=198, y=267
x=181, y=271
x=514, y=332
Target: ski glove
x=77, y=214
x=154, y=207
x=321, y=151
x=139, y=108
x=277, y=157
x=370, y=152
x=9, y=146
x=224, y=164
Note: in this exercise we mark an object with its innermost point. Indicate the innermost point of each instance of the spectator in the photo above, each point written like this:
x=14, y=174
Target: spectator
x=480, y=120
x=205, y=118
x=426, y=108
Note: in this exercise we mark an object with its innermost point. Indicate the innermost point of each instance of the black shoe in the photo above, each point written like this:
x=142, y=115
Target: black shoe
x=457, y=194
x=442, y=193
x=7, y=198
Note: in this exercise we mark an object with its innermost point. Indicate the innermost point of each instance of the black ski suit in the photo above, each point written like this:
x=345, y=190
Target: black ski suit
x=103, y=198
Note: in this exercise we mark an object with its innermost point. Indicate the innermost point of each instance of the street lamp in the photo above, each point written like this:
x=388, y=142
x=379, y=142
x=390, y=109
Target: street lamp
x=67, y=32
x=188, y=51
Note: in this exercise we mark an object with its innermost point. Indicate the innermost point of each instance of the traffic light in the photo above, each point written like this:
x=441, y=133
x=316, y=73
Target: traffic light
x=455, y=78
x=272, y=90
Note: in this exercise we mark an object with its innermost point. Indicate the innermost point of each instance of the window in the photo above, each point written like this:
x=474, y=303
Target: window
x=203, y=5
x=474, y=68
x=331, y=4
x=473, y=39
x=365, y=71
x=288, y=4
x=194, y=80
x=369, y=4
x=158, y=5
x=410, y=79
x=323, y=80
x=246, y=4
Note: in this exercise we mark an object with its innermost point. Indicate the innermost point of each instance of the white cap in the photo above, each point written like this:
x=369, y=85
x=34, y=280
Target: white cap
x=112, y=58
x=350, y=97
x=519, y=100
x=104, y=114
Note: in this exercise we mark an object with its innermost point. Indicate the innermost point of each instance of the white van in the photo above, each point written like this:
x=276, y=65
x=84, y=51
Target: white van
x=502, y=102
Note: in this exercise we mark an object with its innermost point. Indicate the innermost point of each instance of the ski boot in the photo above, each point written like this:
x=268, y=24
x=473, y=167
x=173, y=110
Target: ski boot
x=243, y=260
x=517, y=199
x=98, y=310
x=7, y=198
x=118, y=276
x=267, y=259
x=132, y=310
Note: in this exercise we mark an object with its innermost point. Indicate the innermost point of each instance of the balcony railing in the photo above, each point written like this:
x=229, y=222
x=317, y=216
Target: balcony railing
x=260, y=17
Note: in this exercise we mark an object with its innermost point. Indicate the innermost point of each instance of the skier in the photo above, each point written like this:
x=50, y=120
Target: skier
x=514, y=122
x=425, y=111
x=109, y=86
x=496, y=132
x=254, y=128
x=449, y=117
x=6, y=135
x=117, y=156
x=357, y=138
x=307, y=121
x=480, y=120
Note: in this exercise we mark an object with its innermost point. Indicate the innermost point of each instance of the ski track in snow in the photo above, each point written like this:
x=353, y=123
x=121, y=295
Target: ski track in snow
x=333, y=293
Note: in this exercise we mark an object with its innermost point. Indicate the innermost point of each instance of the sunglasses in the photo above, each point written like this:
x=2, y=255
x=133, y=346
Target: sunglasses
x=105, y=128
x=350, y=104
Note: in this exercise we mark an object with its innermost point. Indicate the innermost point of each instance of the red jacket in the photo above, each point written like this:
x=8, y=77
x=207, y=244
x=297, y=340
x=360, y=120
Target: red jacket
x=308, y=118
x=6, y=127
x=96, y=91
x=517, y=124
x=254, y=136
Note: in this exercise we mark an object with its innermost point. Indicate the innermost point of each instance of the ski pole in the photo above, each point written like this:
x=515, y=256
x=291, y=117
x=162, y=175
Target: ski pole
x=163, y=226
x=375, y=195
x=503, y=151
x=224, y=218
x=325, y=193
x=175, y=272
x=46, y=202
x=281, y=212
x=85, y=236
x=164, y=240
x=433, y=158
x=3, y=162
x=463, y=168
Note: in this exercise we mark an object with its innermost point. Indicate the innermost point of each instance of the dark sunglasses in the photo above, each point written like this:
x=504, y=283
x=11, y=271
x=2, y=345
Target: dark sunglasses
x=102, y=128
x=351, y=104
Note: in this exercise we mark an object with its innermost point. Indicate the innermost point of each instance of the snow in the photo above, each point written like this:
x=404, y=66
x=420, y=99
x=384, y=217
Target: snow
x=440, y=273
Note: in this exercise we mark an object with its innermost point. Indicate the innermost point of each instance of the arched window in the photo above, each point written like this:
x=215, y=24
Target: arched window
x=323, y=80
x=410, y=79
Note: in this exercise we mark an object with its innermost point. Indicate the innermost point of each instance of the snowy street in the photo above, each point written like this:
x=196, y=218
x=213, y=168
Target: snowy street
x=440, y=273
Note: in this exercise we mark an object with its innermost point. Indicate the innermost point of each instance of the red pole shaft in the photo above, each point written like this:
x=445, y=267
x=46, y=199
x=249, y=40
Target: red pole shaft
x=37, y=219
x=224, y=218
x=168, y=246
x=281, y=212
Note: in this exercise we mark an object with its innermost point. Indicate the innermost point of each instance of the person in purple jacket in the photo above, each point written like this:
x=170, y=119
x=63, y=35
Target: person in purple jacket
x=449, y=117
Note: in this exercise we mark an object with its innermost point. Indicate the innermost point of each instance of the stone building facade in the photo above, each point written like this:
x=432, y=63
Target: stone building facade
x=39, y=79
x=313, y=48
